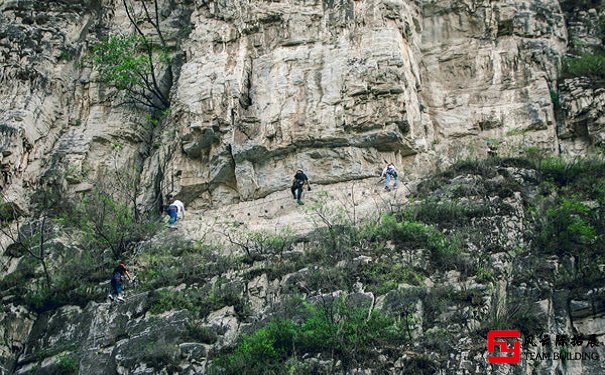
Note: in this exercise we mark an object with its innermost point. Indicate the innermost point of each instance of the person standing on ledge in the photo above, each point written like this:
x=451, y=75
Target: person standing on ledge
x=492, y=149
x=174, y=209
x=300, y=180
x=389, y=172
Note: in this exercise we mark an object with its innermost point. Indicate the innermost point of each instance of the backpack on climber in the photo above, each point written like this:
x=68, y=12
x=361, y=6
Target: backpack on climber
x=390, y=172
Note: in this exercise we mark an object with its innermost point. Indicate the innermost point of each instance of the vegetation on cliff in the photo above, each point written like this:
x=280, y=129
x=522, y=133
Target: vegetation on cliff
x=420, y=279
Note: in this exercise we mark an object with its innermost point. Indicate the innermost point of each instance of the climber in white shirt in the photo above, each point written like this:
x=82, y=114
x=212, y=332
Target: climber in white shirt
x=174, y=209
x=389, y=172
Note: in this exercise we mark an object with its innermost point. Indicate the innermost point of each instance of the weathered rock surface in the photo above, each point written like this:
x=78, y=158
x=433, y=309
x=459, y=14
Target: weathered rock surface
x=271, y=88
x=259, y=89
x=583, y=105
x=447, y=309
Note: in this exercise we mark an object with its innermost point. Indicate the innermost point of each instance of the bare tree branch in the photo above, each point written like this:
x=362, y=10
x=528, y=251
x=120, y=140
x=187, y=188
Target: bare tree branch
x=36, y=238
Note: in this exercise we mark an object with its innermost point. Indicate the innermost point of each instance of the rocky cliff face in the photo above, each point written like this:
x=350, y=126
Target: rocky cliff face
x=261, y=89
x=338, y=88
x=257, y=90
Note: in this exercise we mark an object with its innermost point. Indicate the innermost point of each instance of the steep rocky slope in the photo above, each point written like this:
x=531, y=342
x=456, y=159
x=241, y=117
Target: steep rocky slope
x=496, y=244
x=256, y=90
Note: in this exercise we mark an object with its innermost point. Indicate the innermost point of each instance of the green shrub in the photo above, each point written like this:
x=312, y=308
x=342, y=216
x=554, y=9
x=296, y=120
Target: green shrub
x=204, y=335
x=483, y=167
x=560, y=171
x=349, y=331
x=438, y=339
x=267, y=243
x=160, y=354
x=75, y=278
x=521, y=314
x=201, y=301
x=260, y=245
x=276, y=270
x=9, y=212
x=381, y=277
x=67, y=363
x=330, y=279
x=174, y=261
x=40, y=298
x=446, y=213
x=264, y=351
x=412, y=234
x=26, y=270
x=567, y=228
x=568, y=220
x=554, y=98
x=587, y=65
x=339, y=331
x=106, y=223
x=126, y=63
x=585, y=177
x=484, y=273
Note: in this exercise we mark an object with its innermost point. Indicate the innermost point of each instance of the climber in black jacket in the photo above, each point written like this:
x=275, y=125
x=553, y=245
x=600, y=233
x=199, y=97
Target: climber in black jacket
x=300, y=180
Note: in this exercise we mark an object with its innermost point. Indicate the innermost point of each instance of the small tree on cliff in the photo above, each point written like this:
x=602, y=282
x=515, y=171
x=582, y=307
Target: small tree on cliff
x=130, y=63
x=110, y=216
x=123, y=66
x=25, y=239
x=107, y=223
x=138, y=68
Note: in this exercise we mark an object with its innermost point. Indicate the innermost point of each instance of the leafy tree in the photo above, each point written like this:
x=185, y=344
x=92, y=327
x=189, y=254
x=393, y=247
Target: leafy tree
x=129, y=62
x=125, y=63
x=587, y=65
x=106, y=223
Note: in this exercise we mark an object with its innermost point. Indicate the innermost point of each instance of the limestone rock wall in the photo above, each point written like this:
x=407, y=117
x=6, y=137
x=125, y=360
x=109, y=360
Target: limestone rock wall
x=55, y=121
x=579, y=100
x=340, y=88
x=488, y=67
x=267, y=88
x=520, y=287
x=584, y=119
x=260, y=89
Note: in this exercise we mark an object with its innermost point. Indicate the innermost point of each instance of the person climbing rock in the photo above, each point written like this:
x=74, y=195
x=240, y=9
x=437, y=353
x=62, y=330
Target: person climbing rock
x=116, y=282
x=492, y=150
x=174, y=209
x=300, y=180
x=389, y=172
